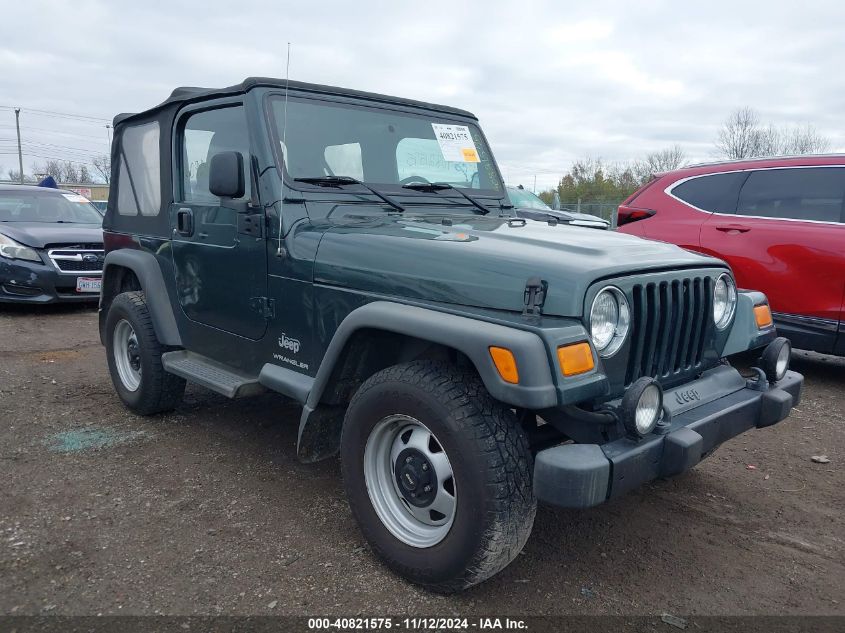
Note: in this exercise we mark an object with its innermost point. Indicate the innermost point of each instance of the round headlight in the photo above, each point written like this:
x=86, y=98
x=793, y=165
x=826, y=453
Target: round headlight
x=724, y=301
x=610, y=320
x=642, y=406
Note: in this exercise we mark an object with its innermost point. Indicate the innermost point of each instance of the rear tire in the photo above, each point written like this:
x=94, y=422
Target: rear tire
x=134, y=354
x=437, y=422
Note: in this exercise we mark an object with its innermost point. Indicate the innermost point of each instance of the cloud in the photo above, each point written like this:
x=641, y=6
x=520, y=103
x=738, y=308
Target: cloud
x=550, y=81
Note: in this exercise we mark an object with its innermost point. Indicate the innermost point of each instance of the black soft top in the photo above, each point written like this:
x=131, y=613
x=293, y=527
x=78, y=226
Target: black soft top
x=189, y=94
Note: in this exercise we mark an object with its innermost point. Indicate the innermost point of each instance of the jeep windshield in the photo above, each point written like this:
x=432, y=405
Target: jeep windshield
x=48, y=207
x=382, y=147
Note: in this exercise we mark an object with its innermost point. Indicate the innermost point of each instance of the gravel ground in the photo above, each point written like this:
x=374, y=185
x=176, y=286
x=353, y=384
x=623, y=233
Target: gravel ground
x=207, y=511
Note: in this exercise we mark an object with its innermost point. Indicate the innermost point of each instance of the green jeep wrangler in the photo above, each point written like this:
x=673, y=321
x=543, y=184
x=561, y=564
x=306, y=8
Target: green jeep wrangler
x=358, y=253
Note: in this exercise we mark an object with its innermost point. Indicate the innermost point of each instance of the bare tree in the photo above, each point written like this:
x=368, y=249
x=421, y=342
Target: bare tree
x=804, y=140
x=102, y=167
x=70, y=172
x=742, y=136
x=658, y=162
x=15, y=176
x=50, y=167
x=83, y=173
x=739, y=135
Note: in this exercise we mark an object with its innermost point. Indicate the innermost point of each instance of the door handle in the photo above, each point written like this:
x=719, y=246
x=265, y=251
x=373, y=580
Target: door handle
x=727, y=228
x=185, y=222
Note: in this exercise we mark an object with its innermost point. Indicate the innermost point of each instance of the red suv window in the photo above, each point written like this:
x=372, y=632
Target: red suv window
x=801, y=194
x=716, y=193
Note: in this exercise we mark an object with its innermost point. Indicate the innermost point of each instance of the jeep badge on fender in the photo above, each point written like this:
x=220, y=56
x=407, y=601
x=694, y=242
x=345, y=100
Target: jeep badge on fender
x=289, y=343
x=464, y=363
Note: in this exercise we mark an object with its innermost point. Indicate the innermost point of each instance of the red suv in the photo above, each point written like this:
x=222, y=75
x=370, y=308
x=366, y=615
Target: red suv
x=779, y=223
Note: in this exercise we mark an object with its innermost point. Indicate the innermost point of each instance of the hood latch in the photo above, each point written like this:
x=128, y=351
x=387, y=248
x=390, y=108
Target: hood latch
x=534, y=296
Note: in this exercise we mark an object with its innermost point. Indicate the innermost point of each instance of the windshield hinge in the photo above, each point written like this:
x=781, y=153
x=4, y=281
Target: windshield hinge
x=264, y=306
x=534, y=296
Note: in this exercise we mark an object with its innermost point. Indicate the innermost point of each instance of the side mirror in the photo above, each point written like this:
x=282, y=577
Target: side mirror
x=226, y=175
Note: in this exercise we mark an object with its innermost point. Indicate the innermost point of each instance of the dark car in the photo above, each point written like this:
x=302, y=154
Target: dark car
x=779, y=223
x=359, y=254
x=529, y=205
x=51, y=246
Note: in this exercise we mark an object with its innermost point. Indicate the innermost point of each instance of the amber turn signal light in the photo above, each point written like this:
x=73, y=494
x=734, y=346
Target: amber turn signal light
x=575, y=359
x=763, y=316
x=505, y=364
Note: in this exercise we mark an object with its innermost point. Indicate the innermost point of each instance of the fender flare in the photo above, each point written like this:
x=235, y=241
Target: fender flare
x=472, y=337
x=148, y=271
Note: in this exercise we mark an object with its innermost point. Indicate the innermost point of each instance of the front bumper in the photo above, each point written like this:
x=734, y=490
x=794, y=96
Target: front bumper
x=23, y=281
x=724, y=405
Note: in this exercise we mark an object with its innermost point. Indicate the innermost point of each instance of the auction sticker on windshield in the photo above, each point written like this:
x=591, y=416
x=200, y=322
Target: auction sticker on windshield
x=456, y=143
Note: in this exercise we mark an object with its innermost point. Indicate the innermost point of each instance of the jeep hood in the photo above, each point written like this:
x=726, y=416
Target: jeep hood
x=41, y=234
x=485, y=262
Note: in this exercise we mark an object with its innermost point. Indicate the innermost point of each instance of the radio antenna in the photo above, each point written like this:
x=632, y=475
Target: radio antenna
x=279, y=251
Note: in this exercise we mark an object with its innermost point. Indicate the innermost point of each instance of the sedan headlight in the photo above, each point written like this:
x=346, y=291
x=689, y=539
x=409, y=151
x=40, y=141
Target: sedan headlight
x=610, y=320
x=724, y=301
x=10, y=249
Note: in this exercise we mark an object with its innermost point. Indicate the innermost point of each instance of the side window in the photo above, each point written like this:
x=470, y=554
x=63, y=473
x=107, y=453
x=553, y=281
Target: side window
x=800, y=194
x=345, y=160
x=205, y=134
x=716, y=193
x=139, y=174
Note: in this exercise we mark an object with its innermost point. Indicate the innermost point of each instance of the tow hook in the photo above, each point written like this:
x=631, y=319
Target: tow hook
x=759, y=381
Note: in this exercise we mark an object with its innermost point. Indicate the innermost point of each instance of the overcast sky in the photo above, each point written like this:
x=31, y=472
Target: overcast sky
x=550, y=81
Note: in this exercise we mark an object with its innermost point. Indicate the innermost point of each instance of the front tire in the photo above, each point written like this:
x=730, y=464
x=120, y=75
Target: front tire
x=438, y=474
x=134, y=354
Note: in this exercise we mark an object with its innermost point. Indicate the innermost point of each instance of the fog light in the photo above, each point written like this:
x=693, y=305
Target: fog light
x=775, y=359
x=642, y=407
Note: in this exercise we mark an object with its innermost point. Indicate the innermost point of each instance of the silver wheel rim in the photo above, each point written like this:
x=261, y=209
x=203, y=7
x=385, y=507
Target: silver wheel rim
x=416, y=522
x=127, y=355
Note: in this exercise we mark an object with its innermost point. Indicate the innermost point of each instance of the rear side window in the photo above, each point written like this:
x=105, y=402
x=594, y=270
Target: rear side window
x=716, y=193
x=799, y=194
x=139, y=173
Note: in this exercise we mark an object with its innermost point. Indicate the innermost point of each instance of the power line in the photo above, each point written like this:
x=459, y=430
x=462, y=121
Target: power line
x=78, y=150
x=63, y=160
x=64, y=115
x=50, y=131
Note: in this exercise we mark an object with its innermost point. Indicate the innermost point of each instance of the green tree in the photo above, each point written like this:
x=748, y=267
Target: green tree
x=592, y=180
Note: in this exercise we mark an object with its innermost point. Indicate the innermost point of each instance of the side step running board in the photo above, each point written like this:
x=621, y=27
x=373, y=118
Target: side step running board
x=211, y=374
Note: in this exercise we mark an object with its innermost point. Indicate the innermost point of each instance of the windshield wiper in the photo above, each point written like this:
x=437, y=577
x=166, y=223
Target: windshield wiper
x=337, y=181
x=440, y=186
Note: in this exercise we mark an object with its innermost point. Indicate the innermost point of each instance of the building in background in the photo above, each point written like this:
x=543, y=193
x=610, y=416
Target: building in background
x=94, y=191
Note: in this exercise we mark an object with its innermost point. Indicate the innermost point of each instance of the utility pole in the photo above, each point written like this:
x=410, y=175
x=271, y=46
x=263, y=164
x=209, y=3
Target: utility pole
x=108, y=134
x=535, y=183
x=20, y=154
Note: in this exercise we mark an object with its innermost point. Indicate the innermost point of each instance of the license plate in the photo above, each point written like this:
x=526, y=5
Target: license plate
x=88, y=284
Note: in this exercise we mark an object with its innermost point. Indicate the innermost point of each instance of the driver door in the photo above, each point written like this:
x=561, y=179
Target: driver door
x=220, y=263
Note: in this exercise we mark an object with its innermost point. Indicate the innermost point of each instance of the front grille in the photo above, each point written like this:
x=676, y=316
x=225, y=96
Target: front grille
x=67, y=265
x=77, y=260
x=670, y=321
